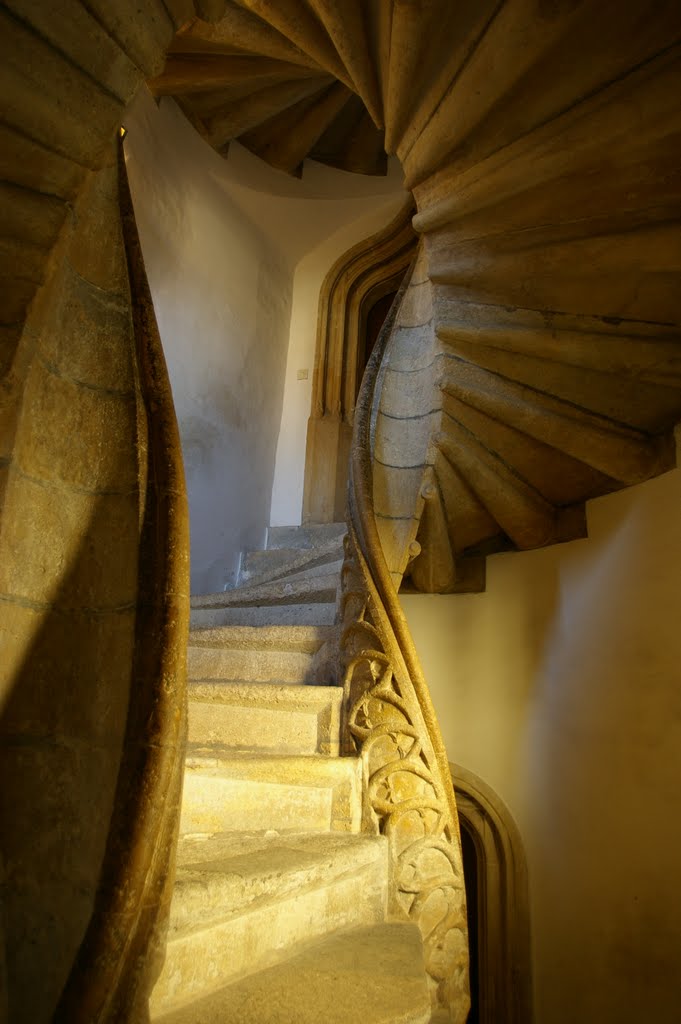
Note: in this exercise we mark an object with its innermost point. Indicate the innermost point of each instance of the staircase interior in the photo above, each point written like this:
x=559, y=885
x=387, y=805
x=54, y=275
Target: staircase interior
x=535, y=363
x=279, y=912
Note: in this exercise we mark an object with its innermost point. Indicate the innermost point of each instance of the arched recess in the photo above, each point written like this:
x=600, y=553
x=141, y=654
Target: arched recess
x=363, y=275
x=504, y=963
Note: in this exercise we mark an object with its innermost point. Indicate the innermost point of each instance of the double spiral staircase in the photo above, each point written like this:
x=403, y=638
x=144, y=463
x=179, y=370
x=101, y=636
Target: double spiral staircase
x=537, y=362
x=545, y=172
x=532, y=361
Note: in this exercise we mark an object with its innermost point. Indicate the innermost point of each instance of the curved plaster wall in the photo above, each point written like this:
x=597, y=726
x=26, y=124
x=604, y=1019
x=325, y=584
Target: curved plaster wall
x=221, y=240
x=559, y=686
x=287, y=492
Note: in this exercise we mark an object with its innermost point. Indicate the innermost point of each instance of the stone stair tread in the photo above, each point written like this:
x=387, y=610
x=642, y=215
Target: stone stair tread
x=283, y=554
x=272, y=716
x=228, y=790
x=304, y=537
x=305, y=639
x=313, y=571
x=220, y=663
x=218, y=682
x=274, y=563
x=201, y=754
x=255, y=554
x=223, y=875
x=319, y=613
x=368, y=975
x=315, y=588
x=263, y=693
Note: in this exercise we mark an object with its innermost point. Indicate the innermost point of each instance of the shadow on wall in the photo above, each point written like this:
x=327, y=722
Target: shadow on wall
x=496, y=661
x=561, y=687
x=61, y=736
x=605, y=759
x=68, y=584
x=222, y=295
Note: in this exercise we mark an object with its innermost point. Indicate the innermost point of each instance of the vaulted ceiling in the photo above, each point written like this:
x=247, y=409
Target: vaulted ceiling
x=288, y=80
x=540, y=365
x=541, y=140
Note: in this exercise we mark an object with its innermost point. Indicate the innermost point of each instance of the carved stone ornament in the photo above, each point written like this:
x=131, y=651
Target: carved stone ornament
x=404, y=795
x=389, y=721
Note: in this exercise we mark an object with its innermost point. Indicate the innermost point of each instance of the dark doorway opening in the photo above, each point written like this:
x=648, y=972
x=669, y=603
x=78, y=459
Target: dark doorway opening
x=470, y=874
x=375, y=319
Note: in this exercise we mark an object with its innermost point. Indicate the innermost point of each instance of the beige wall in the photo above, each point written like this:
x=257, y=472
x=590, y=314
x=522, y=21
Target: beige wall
x=561, y=687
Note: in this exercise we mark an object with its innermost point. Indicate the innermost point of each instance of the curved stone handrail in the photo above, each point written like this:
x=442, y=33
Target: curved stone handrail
x=123, y=947
x=389, y=720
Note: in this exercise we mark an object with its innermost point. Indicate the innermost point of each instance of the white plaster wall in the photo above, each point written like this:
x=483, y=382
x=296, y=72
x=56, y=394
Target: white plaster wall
x=221, y=240
x=296, y=214
x=222, y=297
x=287, y=491
x=561, y=687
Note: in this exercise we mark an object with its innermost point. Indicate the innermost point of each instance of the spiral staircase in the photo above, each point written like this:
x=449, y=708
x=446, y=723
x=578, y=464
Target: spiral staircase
x=533, y=363
x=537, y=362
x=546, y=176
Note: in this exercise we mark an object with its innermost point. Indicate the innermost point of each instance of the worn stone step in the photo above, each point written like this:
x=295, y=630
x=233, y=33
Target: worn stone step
x=221, y=875
x=269, y=560
x=206, y=663
x=368, y=975
x=304, y=536
x=228, y=792
x=308, y=571
x=259, y=897
x=255, y=654
x=322, y=613
x=317, y=588
x=255, y=593
x=274, y=563
x=268, y=717
x=317, y=570
x=303, y=639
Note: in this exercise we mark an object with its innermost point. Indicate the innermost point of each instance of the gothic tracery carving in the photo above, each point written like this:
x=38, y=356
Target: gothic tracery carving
x=404, y=793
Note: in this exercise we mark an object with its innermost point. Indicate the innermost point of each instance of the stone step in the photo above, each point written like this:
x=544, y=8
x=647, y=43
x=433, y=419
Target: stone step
x=303, y=639
x=320, y=589
x=274, y=563
x=367, y=975
x=308, y=571
x=255, y=654
x=322, y=613
x=304, y=536
x=215, y=663
x=318, y=570
x=271, y=718
x=220, y=876
x=317, y=588
x=225, y=791
x=260, y=897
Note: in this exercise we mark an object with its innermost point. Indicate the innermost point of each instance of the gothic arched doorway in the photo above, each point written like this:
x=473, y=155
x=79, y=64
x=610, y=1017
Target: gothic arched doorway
x=498, y=911
x=355, y=286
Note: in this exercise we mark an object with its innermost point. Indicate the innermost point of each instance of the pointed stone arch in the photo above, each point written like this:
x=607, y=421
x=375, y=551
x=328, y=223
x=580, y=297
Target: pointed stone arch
x=364, y=274
x=504, y=961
